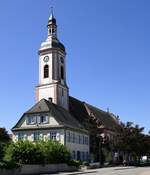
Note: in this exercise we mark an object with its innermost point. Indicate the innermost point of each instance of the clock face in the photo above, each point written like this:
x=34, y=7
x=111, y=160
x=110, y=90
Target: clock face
x=46, y=59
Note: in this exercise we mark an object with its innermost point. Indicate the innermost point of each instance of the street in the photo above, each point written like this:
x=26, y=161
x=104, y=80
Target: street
x=113, y=171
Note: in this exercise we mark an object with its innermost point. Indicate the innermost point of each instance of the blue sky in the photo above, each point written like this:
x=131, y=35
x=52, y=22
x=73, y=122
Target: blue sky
x=108, y=54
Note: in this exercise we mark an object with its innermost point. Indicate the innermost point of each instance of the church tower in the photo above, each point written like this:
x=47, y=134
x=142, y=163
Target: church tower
x=52, y=68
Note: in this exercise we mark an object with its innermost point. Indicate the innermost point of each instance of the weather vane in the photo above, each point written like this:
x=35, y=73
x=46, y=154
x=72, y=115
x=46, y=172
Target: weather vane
x=51, y=3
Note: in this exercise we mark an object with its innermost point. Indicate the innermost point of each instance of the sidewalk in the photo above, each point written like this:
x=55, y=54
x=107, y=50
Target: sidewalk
x=145, y=173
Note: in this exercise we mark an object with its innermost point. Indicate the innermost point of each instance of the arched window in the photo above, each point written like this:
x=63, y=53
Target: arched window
x=62, y=72
x=46, y=71
x=62, y=60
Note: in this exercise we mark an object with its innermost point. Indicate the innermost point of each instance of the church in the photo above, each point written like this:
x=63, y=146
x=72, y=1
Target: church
x=58, y=116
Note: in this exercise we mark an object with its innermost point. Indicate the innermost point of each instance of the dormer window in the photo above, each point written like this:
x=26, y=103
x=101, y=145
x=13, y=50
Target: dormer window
x=43, y=119
x=31, y=120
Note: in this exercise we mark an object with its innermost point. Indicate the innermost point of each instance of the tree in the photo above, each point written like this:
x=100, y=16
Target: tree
x=133, y=143
x=4, y=139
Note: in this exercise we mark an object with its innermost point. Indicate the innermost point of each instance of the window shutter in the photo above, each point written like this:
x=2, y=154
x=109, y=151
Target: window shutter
x=41, y=136
x=38, y=119
x=25, y=136
x=48, y=136
x=34, y=119
x=27, y=120
x=32, y=137
x=46, y=119
x=58, y=137
x=16, y=137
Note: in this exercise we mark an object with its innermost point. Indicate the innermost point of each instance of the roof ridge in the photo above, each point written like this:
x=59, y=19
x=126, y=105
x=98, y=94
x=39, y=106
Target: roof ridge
x=97, y=108
x=89, y=105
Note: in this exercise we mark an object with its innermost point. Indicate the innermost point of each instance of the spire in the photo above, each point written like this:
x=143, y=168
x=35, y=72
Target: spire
x=52, y=26
x=52, y=14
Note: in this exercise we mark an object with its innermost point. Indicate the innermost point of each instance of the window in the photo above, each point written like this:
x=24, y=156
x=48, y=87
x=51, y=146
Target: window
x=87, y=156
x=86, y=140
x=83, y=140
x=80, y=139
x=62, y=97
x=20, y=136
x=62, y=60
x=31, y=120
x=44, y=119
x=46, y=71
x=73, y=155
x=78, y=155
x=36, y=136
x=68, y=136
x=62, y=72
x=73, y=139
x=83, y=156
x=53, y=136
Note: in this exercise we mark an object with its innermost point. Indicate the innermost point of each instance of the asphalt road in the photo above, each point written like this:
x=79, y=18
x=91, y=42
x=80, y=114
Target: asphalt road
x=113, y=171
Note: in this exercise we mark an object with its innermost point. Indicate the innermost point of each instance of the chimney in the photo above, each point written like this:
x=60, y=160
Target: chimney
x=50, y=99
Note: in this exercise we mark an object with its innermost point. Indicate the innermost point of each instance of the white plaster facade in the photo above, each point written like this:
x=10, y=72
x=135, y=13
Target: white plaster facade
x=76, y=141
x=54, y=85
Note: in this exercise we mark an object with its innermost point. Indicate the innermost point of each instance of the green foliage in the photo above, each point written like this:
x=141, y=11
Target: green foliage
x=2, y=145
x=107, y=154
x=75, y=163
x=133, y=142
x=4, y=137
x=26, y=152
x=9, y=165
x=85, y=163
x=56, y=152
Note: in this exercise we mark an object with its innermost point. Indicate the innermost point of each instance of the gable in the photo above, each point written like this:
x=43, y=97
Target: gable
x=57, y=117
x=37, y=120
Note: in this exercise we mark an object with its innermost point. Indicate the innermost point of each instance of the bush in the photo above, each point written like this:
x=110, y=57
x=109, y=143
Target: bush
x=9, y=165
x=56, y=152
x=25, y=152
x=2, y=146
x=75, y=163
x=85, y=163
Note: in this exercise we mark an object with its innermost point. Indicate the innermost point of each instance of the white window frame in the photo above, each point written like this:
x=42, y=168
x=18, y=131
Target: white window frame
x=36, y=135
x=31, y=120
x=53, y=135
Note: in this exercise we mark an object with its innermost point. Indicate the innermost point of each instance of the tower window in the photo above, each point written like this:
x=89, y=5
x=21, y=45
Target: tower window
x=62, y=97
x=62, y=60
x=46, y=71
x=62, y=72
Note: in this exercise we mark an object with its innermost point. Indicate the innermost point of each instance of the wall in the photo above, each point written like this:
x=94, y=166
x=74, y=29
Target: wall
x=38, y=169
x=46, y=92
x=51, y=121
x=62, y=137
x=44, y=133
x=76, y=146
